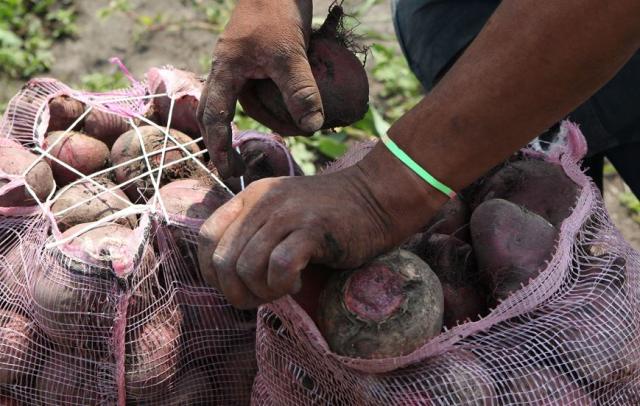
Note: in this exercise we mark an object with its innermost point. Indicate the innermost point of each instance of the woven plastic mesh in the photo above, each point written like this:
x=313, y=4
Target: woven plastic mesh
x=124, y=318
x=569, y=337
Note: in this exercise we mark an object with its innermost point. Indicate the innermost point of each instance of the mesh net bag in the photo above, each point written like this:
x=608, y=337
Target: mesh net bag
x=113, y=311
x=569, y=337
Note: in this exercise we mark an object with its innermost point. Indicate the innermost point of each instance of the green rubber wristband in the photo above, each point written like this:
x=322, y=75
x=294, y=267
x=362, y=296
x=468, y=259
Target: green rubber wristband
x=415, y=167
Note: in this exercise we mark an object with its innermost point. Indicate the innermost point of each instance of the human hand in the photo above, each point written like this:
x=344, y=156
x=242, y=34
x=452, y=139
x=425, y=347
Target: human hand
x=254, y=247
x=259, y=42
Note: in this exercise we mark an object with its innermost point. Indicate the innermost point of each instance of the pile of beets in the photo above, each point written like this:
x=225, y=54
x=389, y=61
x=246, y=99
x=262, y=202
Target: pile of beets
x=479, y=249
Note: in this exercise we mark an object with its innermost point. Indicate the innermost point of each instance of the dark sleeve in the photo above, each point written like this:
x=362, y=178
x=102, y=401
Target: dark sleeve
x=433, y=33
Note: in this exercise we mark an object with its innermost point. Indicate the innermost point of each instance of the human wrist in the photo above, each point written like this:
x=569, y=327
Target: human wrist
x=406, y=199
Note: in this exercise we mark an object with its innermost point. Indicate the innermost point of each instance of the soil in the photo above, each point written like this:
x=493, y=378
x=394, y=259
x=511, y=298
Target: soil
x=613, y=187
x=98, y=40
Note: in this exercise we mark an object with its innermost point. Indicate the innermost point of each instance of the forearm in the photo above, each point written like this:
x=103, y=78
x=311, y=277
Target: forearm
x=533, y=62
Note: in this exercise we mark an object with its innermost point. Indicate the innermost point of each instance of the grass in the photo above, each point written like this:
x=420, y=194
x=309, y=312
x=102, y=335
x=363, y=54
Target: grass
x=101, y=82
x=28, y=29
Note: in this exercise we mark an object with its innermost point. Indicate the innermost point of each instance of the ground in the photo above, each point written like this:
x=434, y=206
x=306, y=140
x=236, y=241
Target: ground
x=188, y=45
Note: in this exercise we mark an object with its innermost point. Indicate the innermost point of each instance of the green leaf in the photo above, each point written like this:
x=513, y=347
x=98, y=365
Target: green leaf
x=366, y=124
x=146, y=20
x=9, y=39
x=329, y=147
x=303, y=156
x=100, y=82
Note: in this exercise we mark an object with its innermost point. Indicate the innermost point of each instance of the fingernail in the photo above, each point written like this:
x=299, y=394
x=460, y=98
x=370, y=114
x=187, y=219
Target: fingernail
x=312, y=121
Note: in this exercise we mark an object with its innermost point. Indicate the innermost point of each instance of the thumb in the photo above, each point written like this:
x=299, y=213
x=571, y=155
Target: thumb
x=300, y=92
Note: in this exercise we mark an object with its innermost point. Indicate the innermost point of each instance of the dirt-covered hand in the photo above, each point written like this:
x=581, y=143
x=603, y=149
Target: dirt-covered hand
x=261, y=41
x=254, y=247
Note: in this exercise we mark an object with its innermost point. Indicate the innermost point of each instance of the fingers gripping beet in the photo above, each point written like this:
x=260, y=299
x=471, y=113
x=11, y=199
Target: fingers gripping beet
x=452, y=219
x=339, y=74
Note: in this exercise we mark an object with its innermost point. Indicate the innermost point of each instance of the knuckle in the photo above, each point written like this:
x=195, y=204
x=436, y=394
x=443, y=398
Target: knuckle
x=287, y=49
x=221, y=263
x=260, y=185
x=208, y=118
x=226, y=50
x=306, y=93
x=281, y=261
x=246, y=269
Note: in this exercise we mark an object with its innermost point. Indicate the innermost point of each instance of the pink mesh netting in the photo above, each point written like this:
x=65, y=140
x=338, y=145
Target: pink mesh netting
x=570, y=337
x=102, y=314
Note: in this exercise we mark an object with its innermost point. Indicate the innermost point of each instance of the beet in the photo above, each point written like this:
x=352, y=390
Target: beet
x=522, y=383
x=339, y=74
x=193, y=199
x=184, y=115
x=453, y=262
x=452, y=219
x=16, y=336
x=511, y=245
x=106, y=126
x=63, y=111
x=66, y=379
x=539, y=186
x=264, y=157
x=152, y=357
x=188, y=203
x=387, y=308
x=194, y=387
x=618, y=394
x=459, y=378
x=128, y=147
x=6, y=400
x=595, y=339
x=14, y=160
x=93, y=210
x=71, y=285
x=13, y=283
x=85, y=154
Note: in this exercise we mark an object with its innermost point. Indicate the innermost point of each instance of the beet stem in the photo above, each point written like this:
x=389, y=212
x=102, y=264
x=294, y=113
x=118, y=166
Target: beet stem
x=330, y=26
